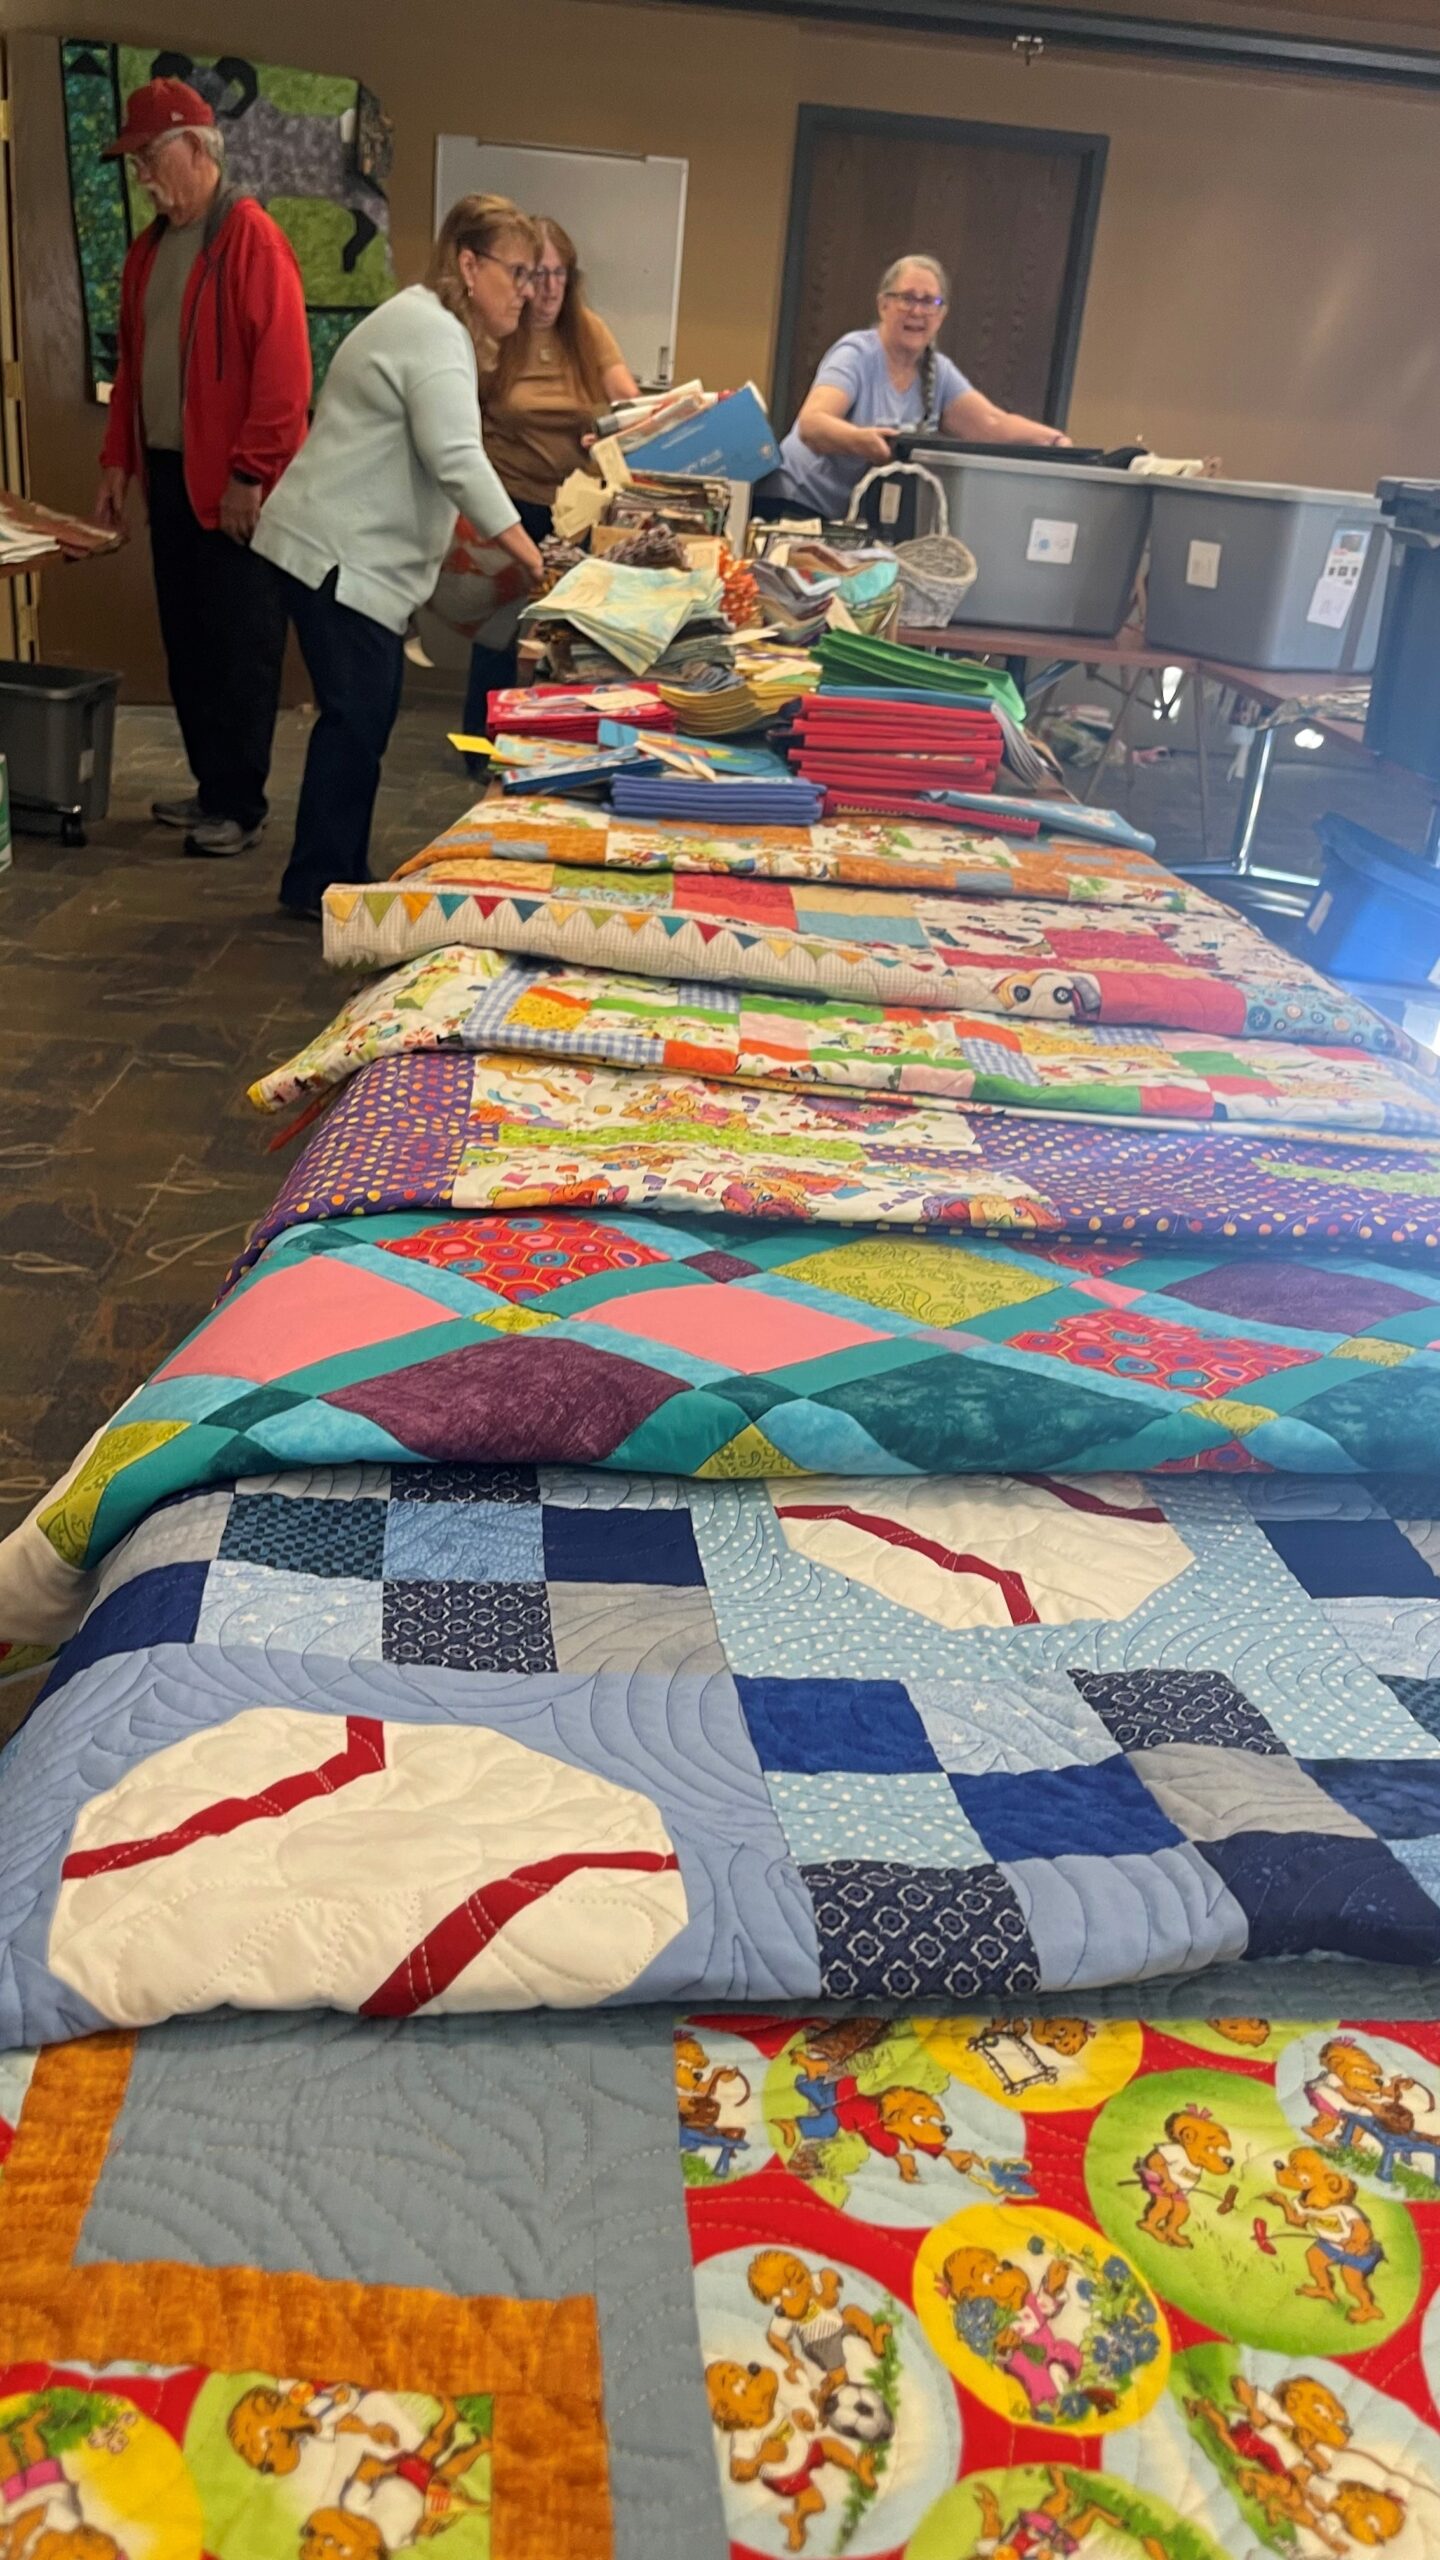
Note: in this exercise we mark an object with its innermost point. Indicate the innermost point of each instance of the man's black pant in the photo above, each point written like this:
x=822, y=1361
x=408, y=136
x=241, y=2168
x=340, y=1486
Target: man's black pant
x=222, y=619
x=357, y=668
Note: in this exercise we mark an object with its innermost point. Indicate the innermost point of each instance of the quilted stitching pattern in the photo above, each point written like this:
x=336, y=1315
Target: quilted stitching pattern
x=988, y=1744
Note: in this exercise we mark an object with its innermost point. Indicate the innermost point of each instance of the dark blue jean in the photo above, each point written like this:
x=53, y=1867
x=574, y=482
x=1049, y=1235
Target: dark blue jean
x=356, y=667
x=490, y=669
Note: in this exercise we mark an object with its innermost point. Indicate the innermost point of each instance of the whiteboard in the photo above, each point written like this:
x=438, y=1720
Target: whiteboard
x=625, y=214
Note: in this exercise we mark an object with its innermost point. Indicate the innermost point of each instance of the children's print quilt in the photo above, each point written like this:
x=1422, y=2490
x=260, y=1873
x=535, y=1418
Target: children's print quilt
x=1151, y=2282
x=414, y=1740
x=445, y=1131
x=1203, y=969
x=723, y=1349
x=857, y=852
x=454, y=998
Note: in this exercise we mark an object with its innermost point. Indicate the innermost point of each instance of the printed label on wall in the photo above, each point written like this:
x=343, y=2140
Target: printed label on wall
x=1339, y=581
x=1202, y=568
x=1052, y=541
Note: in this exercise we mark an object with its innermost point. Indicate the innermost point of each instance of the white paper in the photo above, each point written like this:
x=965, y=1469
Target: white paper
x=1320, y=911
x=1052, y=541
x=1202, y=568
x=1339, y=581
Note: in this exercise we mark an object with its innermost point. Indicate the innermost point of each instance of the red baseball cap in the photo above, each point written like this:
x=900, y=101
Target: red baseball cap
x=161, y=107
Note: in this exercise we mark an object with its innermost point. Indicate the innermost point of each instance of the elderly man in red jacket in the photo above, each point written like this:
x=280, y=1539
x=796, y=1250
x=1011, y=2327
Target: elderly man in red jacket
x=211, y=393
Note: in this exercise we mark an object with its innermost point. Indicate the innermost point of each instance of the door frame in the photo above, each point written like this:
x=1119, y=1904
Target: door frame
x=1091, y=150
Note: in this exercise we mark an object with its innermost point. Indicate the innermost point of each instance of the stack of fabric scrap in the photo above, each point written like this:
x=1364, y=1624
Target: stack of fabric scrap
x=718, y=784
x=805, y=587
x=792, y=1648
x=606, y=621
x=764, y=681
x=564, y=765
x=574, y=711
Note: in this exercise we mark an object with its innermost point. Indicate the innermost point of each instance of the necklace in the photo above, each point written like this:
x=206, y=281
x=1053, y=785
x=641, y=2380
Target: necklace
x=545, y=347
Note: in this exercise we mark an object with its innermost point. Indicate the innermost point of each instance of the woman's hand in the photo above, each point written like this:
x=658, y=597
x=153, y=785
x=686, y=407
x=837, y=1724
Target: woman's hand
x=517, y=542
x=872, y=444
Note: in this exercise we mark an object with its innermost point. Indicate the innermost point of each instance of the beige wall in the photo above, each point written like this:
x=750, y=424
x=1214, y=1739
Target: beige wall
x=1263, y=284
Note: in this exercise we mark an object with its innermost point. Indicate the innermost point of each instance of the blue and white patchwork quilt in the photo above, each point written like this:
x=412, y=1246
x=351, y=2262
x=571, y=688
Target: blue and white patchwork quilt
x=443, y=1738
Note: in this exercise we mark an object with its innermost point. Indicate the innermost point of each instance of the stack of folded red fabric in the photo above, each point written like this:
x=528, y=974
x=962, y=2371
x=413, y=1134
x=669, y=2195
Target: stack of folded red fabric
x=868, y=753
x=574, y=711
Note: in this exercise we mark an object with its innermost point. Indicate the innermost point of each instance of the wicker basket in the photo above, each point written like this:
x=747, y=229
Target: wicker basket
x=937, y=571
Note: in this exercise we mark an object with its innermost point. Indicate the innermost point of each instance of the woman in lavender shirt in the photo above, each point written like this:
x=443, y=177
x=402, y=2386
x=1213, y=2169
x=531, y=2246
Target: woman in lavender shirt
x=876, y=381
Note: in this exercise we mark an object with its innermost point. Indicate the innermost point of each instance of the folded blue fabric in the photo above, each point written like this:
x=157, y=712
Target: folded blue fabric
x=798, y=804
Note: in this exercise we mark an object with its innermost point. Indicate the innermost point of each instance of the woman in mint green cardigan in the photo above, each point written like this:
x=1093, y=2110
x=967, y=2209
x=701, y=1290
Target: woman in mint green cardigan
x=358, y=526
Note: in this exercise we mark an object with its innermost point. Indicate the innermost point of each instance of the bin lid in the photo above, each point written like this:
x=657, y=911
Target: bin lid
x=1050, y=466
x=1415, y=504
x=1069, y=457
x=1355, y=501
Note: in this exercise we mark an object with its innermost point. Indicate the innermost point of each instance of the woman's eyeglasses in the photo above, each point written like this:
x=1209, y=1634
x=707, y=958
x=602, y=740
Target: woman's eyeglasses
x=919, y=301
x=549, y=275
x=522, y=278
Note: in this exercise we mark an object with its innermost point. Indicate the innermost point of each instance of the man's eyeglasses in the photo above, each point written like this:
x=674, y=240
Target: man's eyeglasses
x=919, y=301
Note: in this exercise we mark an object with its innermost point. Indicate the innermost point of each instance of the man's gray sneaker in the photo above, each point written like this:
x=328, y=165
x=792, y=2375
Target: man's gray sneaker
x=177, y=813
x=217, y=837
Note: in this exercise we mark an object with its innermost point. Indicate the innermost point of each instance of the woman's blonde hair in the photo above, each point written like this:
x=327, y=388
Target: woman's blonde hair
x=477, y=223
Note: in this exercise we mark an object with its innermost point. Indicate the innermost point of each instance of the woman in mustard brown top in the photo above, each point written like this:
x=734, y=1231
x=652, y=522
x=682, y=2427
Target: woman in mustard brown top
x=539, y=401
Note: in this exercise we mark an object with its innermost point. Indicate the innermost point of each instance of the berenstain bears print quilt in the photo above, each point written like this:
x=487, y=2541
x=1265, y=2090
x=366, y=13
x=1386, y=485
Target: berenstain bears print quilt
x=1075, y=2283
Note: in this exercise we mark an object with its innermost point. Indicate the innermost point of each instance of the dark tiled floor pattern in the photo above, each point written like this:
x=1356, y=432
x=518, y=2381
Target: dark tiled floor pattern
x=139, y=992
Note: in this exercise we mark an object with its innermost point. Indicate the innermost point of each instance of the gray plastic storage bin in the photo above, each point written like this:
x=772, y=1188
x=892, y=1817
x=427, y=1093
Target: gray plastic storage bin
x=1269, y=577
x=57, y=732
x=1059, y=545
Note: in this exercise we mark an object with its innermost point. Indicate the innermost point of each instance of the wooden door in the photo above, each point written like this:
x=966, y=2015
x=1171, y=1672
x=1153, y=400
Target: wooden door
x=1007, y=209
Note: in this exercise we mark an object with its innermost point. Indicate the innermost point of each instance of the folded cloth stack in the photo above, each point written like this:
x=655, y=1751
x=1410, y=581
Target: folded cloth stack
x=572, y=711
x=627, y=620
x=892, y=727
x=860, y=747
x=725, y=785
x=764, y=683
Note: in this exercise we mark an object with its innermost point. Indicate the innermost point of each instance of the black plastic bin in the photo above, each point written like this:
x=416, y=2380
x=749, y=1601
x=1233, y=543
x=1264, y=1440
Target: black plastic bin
x=57, y=733
x=1403, y=723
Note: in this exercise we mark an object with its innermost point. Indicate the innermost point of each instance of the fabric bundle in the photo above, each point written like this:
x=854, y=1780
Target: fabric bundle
x=861, y=749
x=717, y=784
x=630, y=617
x=571, y=711
x=765, y=680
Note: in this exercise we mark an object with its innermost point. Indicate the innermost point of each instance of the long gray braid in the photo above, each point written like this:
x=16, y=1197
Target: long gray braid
x=930, y=408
